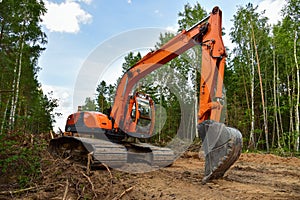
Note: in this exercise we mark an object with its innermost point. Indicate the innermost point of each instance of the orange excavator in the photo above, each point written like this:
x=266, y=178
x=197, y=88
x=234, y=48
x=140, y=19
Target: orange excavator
x=133, y=113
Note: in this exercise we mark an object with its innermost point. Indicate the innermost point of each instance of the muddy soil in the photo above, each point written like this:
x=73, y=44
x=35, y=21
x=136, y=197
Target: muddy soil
x=253, y=176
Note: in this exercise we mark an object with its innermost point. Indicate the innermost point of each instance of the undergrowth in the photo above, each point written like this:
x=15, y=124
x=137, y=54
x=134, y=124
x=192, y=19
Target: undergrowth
x=20, y=156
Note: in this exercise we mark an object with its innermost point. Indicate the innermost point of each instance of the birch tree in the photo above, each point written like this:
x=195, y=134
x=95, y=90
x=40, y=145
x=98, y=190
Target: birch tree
x=250, y=34
x=287, y=34
x=298, y=93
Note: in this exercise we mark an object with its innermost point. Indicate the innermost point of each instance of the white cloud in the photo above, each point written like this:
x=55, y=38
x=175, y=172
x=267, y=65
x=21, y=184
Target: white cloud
x=66, y=16
x=272, y=8
x=65, y=107
x=84, y=1
x=172, y=29
x=129, y=1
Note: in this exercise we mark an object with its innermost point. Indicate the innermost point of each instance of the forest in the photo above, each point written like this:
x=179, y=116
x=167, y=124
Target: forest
x=261, y=84
x=26, y=112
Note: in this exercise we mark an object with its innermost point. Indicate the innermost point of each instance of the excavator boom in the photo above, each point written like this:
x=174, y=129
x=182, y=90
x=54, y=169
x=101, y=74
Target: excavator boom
x=150, y=62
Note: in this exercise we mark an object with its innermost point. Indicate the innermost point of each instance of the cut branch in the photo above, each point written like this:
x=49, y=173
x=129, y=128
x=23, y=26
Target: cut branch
x=88, y=178
x=123, y=193
x=66, y=190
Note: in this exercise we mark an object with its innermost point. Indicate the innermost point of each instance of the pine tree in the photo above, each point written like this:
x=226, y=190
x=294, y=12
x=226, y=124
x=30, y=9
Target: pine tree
x=21, y=43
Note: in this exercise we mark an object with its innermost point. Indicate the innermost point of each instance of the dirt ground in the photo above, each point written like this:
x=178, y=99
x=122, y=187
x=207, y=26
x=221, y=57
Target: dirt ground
x=253, y=176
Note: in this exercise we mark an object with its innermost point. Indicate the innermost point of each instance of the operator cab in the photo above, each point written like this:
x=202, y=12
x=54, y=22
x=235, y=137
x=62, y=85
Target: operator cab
x=142, y=116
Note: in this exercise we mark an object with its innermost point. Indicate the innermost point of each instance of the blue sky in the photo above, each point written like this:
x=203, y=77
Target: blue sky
x=76, y=27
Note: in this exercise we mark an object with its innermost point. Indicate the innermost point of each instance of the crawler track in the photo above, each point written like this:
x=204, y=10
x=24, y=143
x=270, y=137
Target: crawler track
x=114, y=155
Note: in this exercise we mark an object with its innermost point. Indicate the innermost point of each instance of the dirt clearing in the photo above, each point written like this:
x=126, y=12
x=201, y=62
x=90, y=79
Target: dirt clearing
x=253, y=176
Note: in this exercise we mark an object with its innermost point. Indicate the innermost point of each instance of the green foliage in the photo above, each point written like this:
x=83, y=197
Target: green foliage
x=25, y=111
x=22, y=103
x=190, y=15
x=130, y=61
x=105, y=95
x=20, y=157
x=89, y=105
x=249, y=29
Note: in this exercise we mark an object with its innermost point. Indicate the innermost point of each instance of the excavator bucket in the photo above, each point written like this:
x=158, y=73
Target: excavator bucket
x=222, y=147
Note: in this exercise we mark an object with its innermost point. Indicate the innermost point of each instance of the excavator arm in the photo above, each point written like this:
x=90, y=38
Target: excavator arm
x=222, y=145
x=208, y=34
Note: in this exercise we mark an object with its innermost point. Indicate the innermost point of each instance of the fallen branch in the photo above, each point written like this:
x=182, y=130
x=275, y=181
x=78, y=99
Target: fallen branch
x=90, y=158
x=51, y=134
x=111, y=181
x=67, y=158
x=107, y=168
x=66, y=190
x=88, y=178
x=19, y=191
x=123, y=193
x=36, y=188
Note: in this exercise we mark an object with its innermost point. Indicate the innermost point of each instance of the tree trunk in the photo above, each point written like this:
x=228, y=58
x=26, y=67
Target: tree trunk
x=195, y=107
x=275, y=98
x=297, y=123
x=290, y=100
x=252, y=137
x=16, y=85
x=13, y=96
x=4, y=117
x=160, y=110
x=262, y=92
x=1, y=31
x=196, y=68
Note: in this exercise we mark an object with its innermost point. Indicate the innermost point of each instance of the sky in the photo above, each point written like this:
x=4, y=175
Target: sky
x=76, y=29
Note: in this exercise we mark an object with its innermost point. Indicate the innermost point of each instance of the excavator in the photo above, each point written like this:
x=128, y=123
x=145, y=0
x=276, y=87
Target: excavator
x=107, y=137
